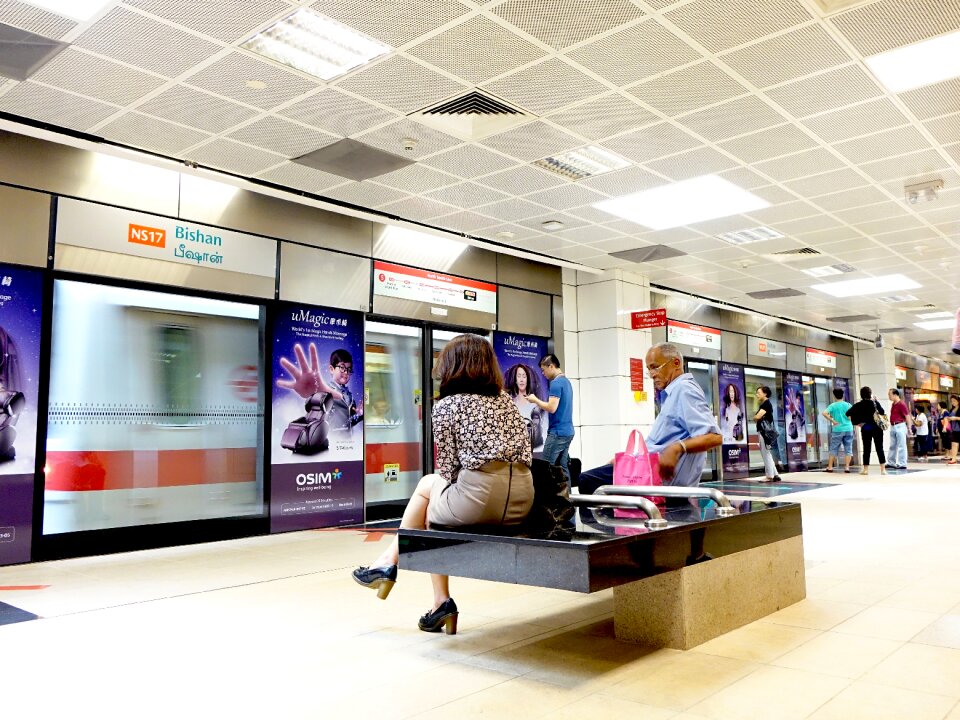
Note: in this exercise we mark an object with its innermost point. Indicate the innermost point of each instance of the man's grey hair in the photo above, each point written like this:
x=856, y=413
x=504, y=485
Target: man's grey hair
x=668, y=350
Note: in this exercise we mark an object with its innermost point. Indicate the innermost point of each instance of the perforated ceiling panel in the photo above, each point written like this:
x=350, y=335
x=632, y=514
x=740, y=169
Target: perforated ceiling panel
x=135, y=39
x=786, y=57
x=521, y=180
x=514, y=209
x=151, y=134
x=401, y=84
x=566, y=196
x=416, y=179
x=546, y=86
x=889, y=24
x=102, y=79
x=197, y=109
x=562, y=23
x=825, y=91
x=229, y=77
x=395, y=22
x=732, y=118
x=780, y=140
x=34, y=19
x=282, y=137
x=54, y=106
x=938, y=99
x=701, y=161
x=863, y=119
x=337, y=113
x=391, y=137
x=532, y=141
x=603, y=117
x=467, y=195
x=722, y=24
x=688, y=89
x=234, y=157
x=226, y=20
x=477, y=50
x=301, y=178
x=470, y=161
x=417, y=208
x=652, y=142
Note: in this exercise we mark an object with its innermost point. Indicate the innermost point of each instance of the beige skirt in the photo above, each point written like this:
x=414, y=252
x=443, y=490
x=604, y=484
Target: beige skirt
x=498, y=493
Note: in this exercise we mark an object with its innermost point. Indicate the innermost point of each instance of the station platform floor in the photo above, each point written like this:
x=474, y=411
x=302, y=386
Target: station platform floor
x=274, y=627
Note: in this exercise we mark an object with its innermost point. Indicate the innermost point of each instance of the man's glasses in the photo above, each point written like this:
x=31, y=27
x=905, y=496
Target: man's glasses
x=345, y=368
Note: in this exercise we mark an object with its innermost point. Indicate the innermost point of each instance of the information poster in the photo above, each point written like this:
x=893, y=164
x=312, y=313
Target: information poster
x=21, y=299
x=519, y=359
x=733, y=422
x=840, y=383
x=794, y=422
x=407, y=283
x=693, y=335
x=317, y=429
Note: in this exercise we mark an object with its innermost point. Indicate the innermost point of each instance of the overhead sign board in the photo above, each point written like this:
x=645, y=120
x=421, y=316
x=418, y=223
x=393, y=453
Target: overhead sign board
x=694, y=335
x=434, y=288
x=901, y=373
x=643, y=319
x=946, y=382
x=821, y=358
x=766, y=348
x=100, y=227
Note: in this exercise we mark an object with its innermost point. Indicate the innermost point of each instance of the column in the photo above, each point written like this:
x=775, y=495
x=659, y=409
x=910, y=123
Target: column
x=599, y=343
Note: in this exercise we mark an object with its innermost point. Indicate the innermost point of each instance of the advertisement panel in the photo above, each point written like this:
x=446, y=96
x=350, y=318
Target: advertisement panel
x=407, y=283
x=695, y=335
x=316, y=449
x=794, y=422
x=21, y=300
x=158, y=238
x=733, y=421
x=519, y=359
x=840, y=383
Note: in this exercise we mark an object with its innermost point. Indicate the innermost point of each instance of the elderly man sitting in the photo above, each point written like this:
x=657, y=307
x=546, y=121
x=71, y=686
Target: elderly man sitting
x=684, y=430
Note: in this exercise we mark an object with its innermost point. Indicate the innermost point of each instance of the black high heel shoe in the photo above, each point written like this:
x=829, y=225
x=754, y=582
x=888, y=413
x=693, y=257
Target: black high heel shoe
x=444, y=616
x=381, y=579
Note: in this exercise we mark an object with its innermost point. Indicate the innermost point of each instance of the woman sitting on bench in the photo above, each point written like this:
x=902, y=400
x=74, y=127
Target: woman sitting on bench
x=482, y=467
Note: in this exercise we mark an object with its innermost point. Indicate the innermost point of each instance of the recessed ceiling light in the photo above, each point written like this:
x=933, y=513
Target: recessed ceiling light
x=822, y=271
x=683, y=203
x=935, y=324
x=583, y=162
x=867, y=286
x=935, y=315
x=905, y=297
x=922, y=63
x=315, y=44
x=552, y=225
x=743, y=237
x=81, y=10
x=255, y=84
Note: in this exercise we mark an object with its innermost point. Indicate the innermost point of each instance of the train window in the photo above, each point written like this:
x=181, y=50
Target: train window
x=178, y=363
x=381, y=375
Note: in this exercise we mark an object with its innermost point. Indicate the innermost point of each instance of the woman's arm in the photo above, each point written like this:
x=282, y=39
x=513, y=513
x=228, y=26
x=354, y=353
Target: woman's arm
x=759, y=415
x=445, y=442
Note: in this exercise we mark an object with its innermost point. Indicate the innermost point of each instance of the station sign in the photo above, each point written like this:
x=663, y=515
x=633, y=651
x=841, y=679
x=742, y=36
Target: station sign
x=821, y=358
x=645, y=319
x=434, y=288
x=946, y=382
x=901, y=373
x=693, y=335
x=762, y=347
x=99, y=227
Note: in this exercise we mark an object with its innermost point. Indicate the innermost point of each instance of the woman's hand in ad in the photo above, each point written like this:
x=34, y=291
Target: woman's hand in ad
x=307, y=380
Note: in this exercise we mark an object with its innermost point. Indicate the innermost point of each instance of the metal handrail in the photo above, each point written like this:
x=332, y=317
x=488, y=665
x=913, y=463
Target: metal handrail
x=655, y=520
x=724, y=508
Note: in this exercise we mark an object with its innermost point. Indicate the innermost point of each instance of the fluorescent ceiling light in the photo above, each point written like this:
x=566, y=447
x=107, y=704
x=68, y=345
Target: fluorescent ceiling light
x=935, y=315
x=822, y=271
x=81, y=10
x=867, y=286
x=583, y=162
x=897, y=298
x=936, y=324
x=751, y=235
x=316, y=45
x=683, y=203
x=923, y=63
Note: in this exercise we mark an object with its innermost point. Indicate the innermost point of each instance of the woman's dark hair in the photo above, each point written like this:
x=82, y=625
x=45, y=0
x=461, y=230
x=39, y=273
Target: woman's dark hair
x=865, y=393
x=942, y=405
x=467, y=365
x=955, y=397
x=726, y=396
x=838, y=393
x=510, y=380
x=765, y=389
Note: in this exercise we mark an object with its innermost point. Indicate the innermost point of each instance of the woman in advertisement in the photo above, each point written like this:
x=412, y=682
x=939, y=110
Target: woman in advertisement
x=482, y=469
x=520, y=380
x=731, y=416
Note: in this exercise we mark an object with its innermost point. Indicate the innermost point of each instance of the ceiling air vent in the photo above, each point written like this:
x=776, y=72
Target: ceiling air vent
x=472, y=116
x=851, y=318
x=795, y=255
x=648, y=254
x=894, y=330
x=774, y=294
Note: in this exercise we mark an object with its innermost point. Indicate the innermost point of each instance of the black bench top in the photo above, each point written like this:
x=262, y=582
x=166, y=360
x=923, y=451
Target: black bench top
x=599, y=556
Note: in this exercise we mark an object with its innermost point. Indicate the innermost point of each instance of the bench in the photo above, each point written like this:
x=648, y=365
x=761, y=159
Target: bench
x=703, y=574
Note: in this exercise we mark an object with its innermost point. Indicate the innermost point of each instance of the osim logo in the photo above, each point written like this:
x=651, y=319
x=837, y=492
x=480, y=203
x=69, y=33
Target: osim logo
x=314, y=479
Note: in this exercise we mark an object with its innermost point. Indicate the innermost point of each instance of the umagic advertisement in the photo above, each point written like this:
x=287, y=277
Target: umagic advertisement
x=519, y=359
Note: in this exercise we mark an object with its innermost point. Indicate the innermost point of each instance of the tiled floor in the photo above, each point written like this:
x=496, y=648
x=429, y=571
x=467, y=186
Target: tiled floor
x=274, y=627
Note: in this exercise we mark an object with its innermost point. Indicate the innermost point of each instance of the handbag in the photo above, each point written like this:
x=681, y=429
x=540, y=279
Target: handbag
x=535, y=429
x=552, y=513
x=636, y=466
x=767, y=430
x=738, y=428
x=879, y=419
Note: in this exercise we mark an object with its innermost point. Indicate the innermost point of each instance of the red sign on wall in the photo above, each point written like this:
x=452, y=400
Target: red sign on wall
x=636, y=375
x=643, y=319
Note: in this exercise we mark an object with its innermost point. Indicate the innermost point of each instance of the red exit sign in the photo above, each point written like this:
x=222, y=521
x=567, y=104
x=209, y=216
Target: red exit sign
x=643, y=319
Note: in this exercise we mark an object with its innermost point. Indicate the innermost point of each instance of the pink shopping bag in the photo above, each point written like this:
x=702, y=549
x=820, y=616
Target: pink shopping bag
x=637, y=466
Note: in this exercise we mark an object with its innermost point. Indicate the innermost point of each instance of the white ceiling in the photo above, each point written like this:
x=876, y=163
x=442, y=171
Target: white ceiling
x=771, y=94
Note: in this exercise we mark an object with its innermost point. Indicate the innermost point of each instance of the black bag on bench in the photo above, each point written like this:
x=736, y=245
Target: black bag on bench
x=552, y=513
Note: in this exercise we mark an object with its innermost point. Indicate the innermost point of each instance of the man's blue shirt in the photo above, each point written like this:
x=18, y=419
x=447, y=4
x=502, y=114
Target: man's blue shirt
x=684, y=414
x=561, y=421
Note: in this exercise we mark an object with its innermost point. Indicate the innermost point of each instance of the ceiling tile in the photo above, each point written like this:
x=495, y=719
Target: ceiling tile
x=830, y=182
x=279, y=136
x=825, y=91
x=390, y=138
x=869, y=117
x=688, y=89
x=702, y=161
x=769, y=143
x=809, y=162
x=465, y=221
x=521, y=180
x=622, y=182
x=945, y=130
x=30, y=100
x=532, y=141
x=337, y=113
x=234, y=157
x=33, y=19
x=884, y=144
x=401, y=84
x=569, y=221
x=465, y=50
x=228, y=77
x=514, y=209
x=652, y=142
x=415, y=179
x=722, y=24
x=143, y=131
x=782, y=213
x=566, y=196
x=732, y=118
x=786, y=57
x=417, y=208
x=911, y=168
x=96, y=77
x=889, y=24
x=365, y=194
x=469, y=161
x=609, y=115
x=545, y=87
x=468, y=195
x=562, y=23
x=225, y=20
x=635, y=53
x=938, y=99
x=302, y=178
x=395, y=22
x=851, y=199
x=135, y=39
x=747, y=179
x=197, y=109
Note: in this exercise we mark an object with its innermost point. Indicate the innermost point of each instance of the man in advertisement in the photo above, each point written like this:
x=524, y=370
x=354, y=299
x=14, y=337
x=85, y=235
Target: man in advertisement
x=556, y=448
